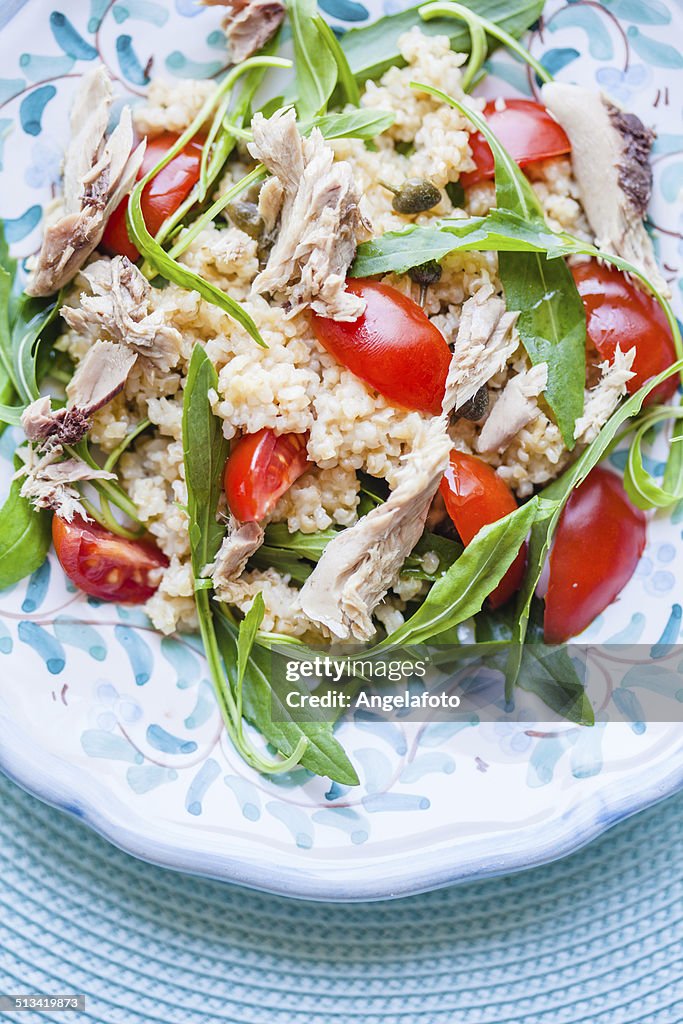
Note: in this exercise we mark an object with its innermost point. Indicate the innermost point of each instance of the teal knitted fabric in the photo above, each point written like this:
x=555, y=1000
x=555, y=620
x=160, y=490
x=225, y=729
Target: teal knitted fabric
x=595, y=938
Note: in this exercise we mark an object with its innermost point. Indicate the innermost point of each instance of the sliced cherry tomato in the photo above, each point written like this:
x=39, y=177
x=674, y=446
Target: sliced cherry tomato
x=259, y=469
x=525, y=129
x=619, y=313
x=104, y=565
x=600, y=538
x=161, y=197
x=393, y=346
x=475, y=496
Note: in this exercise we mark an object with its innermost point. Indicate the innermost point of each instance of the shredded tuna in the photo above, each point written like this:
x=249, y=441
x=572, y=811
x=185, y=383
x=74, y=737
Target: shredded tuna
x=249, y=24
x=516, y=406
x=360, y=564
x=117, y=308
x=484, y=343
x=98, y=173
x=610, y=159
x=602, y=400
x=239, y=544
x=50, y=482
x=318, y=206
x=42, y=423
x=100, y=375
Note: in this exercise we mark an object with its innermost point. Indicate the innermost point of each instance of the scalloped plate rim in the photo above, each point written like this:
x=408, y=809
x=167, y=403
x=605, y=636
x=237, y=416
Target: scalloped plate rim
x=601, y=811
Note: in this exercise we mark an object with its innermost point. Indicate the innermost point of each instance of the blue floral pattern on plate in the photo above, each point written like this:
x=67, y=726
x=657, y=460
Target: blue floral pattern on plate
x=104, y=717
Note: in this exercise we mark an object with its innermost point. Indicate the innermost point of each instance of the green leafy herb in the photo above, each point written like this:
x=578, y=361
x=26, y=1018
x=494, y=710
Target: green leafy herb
x=307, y=545
x=641, y=486
x=554, y=498
x=176, y=272
x=246, y=636
x=23, y=321
x=241, y=681
x=552, y=321
x=475, y=25
x=372, y=49
x=286, y=562
x=500, y=231
x=462, y=590
x=479, y=27
x=344, y=73
x=350, y=124
x=25, y=535
x=206, y=451
x=547, y=671
x=256, y=175
x=162, y=262
x=446, y=550
x=265, y=708
x=316, y=67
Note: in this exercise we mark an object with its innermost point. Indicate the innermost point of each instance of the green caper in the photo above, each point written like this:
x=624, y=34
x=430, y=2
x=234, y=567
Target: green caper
x=426, y=273
x=415, y=196
x=245, y=216
x=476, y=406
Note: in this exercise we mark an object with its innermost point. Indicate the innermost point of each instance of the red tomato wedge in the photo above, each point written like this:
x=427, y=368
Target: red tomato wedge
x=259, y=469
x=161, y=197
x=619, y=313
x=600, y=538
x=104, y=565
x=475, y=496
x=392, y=346
x=525, y=129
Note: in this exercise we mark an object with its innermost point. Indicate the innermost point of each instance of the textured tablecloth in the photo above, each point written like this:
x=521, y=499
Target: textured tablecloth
x=597, y=937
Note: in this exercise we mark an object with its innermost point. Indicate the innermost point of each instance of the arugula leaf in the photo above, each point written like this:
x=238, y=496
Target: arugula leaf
x=323, y=754
x=372, y=49
x=205, y=450
x=25, y=535
x=640, y=485
x=447, y=551
x=345, y=75
x=315, y=64
x=308, y=545
x=246, y=636
x=554, y=497
x=286, y=562
x=350, y=124
x=552, y=326
x=169, y=268
x=500, y=231
x=220, y=139
x=552, y=320
x=240, y=680
x=462, y=590
x=150, y=247
x=479, y=27
x=548, y=671
x=31, y=318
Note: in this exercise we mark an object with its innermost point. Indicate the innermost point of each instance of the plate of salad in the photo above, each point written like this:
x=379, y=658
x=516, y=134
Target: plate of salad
x=339, y=333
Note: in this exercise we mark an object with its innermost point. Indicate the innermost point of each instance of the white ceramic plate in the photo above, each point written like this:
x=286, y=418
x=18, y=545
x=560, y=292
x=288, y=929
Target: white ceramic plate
x=100, y=716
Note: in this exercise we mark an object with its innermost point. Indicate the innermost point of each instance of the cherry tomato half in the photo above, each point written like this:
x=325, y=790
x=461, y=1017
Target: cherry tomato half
x=259, y=469
x=475, y=496
x=104, y=565
x=619, y=313
x=600, y=538
x=525, y=129
x=161, y=197
x=392, y=346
